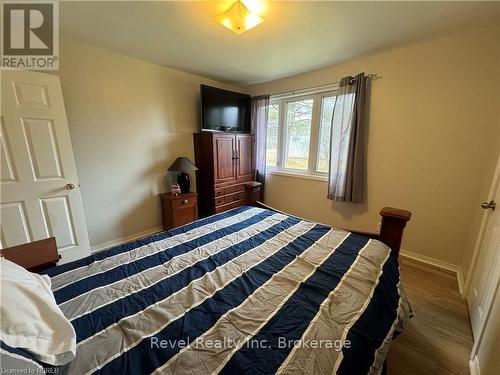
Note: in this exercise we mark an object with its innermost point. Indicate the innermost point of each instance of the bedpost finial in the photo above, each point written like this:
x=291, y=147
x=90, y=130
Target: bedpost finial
x=395, y=213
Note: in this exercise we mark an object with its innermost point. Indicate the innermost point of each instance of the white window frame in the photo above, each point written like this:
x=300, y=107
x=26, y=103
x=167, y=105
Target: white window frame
x=282, y=101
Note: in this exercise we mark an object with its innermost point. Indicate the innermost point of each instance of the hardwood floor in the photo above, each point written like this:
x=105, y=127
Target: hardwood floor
x=438, y=339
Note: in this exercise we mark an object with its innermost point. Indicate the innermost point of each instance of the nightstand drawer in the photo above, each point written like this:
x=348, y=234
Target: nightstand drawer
x=234, y=197
x=183, y=201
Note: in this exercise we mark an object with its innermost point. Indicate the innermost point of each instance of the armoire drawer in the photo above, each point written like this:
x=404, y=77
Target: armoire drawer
x=234, y=197
x=229, y=206
x=233, y=189
x=219, y=201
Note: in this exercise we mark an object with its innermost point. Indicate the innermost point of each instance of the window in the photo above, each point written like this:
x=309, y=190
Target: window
x=325, y=128
x=272, y=135
x=298, y=133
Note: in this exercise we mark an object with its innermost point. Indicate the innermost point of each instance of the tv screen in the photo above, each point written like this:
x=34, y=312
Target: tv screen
x=224, y=110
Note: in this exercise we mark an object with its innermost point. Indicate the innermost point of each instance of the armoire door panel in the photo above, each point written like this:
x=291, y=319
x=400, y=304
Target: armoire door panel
x=245, y=150
x=224, y=154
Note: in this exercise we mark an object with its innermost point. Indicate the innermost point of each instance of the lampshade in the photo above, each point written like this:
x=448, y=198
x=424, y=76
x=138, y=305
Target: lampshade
x=182, y=164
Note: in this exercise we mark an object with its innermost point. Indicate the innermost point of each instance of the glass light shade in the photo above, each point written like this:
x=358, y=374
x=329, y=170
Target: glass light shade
x=238, y=18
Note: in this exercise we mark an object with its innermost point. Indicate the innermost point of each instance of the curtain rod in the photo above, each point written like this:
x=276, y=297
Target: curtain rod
x=318, y=88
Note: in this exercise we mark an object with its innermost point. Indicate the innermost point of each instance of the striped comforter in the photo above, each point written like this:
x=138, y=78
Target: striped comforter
x=246, y=291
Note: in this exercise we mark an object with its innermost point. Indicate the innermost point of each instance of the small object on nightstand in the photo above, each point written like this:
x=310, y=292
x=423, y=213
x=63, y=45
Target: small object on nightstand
x=175, y=189
x=178, y=209
x=182, y=165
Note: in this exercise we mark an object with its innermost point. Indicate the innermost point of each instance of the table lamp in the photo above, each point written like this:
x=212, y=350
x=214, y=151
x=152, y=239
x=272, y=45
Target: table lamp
x=182, y=165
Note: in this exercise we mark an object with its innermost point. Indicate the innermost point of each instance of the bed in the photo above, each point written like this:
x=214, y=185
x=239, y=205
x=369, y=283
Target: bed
x=248, y=291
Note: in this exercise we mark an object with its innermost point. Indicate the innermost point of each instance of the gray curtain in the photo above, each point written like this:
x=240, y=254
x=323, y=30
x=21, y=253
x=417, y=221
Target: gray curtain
x=259, y=112
x=346, y=178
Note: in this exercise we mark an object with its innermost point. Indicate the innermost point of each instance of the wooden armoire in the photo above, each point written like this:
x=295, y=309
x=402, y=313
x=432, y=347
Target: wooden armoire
x=225, y=163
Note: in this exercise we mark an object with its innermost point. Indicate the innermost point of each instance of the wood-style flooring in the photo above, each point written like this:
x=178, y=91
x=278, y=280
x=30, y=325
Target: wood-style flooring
x=438, y=339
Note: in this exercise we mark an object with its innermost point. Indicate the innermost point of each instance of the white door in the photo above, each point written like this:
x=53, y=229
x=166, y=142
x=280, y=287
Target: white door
x=40, y=195
x=486, y=274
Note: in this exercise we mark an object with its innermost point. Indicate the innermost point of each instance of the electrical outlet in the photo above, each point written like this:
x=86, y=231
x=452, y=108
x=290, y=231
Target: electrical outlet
x=379, y=225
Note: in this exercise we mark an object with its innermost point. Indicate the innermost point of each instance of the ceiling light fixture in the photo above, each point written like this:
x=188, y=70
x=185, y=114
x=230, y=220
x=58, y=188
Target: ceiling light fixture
x=238, y=18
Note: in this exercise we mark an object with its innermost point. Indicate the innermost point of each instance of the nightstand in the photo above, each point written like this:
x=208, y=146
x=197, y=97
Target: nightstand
x=178, y=209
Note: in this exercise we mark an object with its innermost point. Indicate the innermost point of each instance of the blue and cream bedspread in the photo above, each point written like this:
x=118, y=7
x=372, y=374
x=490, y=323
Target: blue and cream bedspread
x=249, y=291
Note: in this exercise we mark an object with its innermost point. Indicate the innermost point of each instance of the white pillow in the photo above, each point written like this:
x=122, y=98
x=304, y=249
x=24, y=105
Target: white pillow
x=30, y=317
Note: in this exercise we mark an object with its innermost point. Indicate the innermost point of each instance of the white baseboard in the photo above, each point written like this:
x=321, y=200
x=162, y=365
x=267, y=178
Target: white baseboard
x=460, y=279
x=474, y=366
x=437, y=263
x=122, y=240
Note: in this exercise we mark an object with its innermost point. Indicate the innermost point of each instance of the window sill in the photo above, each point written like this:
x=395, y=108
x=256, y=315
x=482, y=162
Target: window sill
x=304, y=176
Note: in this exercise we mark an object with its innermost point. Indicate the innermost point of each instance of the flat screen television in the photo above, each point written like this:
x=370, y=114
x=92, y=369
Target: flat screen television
x=223, y=110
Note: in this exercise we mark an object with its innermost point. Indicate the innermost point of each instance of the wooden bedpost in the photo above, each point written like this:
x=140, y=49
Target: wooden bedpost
x=393, y=224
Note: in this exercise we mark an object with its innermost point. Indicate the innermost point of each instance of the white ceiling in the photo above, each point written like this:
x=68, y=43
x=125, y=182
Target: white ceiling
x=295, y=36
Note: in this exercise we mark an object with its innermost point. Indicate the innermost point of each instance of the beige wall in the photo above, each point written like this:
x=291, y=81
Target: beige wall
x=432, y=134
x=128, y=121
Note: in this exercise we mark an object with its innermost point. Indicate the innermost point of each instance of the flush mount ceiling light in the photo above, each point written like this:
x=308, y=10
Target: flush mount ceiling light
x=238, y=18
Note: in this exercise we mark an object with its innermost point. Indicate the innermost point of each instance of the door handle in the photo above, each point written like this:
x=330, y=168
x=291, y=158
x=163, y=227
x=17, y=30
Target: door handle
x=70, y=186
x=489, y=205
x=234, y=157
